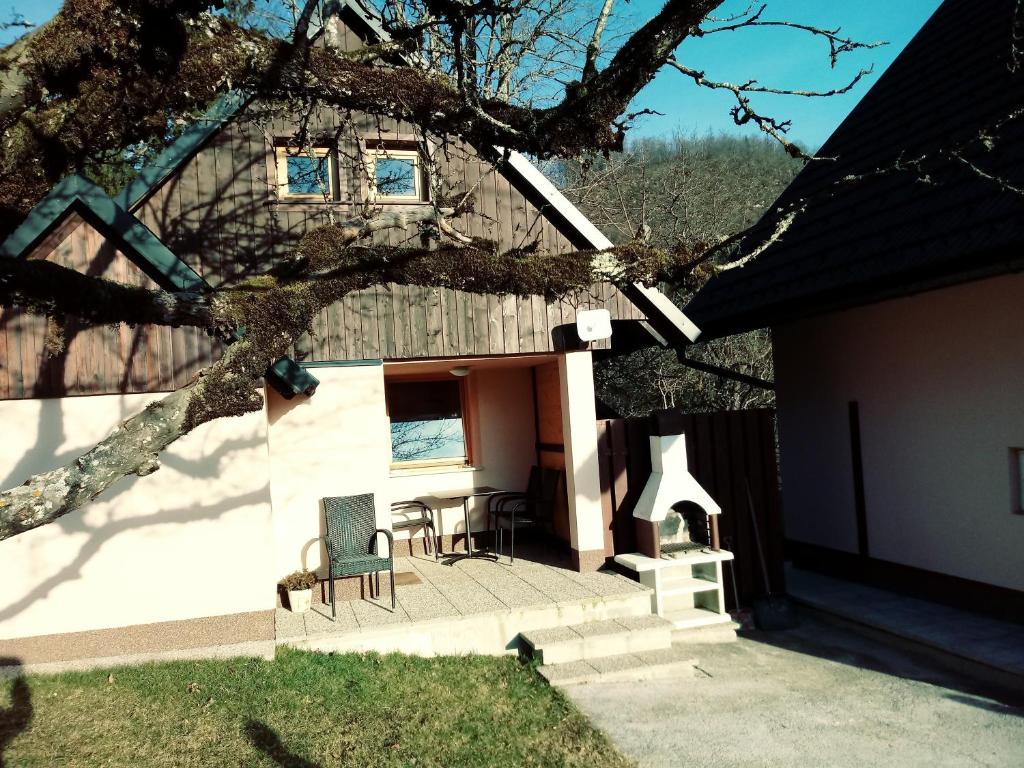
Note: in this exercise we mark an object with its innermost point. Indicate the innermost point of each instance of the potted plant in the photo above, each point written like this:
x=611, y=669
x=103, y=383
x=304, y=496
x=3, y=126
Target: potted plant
x=300, y=590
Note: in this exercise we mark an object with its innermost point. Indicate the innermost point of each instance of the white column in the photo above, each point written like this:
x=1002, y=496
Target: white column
x=579, y=433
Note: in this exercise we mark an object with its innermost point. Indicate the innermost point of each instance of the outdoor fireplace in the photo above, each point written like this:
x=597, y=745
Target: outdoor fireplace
x=683, y=515
x=684, y=529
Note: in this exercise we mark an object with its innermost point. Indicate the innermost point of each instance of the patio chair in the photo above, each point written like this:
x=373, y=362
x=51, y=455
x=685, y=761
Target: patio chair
x=534, y=508
x=352, y=542
x=407, y=515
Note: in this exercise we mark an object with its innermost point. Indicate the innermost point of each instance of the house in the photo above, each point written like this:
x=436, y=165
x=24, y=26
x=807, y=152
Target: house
x=896, y=306
x=188, y=558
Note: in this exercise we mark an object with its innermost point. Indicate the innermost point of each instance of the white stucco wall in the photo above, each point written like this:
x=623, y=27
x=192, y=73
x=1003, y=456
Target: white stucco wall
x=939, y=378
x=190, y=541
x=335, y=443
x=579, y=431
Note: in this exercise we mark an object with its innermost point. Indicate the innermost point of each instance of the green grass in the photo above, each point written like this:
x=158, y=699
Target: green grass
x=301, y=710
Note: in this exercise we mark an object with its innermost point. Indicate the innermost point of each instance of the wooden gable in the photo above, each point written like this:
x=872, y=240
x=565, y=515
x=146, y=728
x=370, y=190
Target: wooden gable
x=100, y=360
x=221, y=214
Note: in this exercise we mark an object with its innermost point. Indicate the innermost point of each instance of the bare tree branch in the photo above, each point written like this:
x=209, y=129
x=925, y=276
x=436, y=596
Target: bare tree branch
x=837, y=44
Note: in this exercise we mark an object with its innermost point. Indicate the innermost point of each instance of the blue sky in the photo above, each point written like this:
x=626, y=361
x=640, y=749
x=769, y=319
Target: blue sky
x=775, y=57
x=780, y=58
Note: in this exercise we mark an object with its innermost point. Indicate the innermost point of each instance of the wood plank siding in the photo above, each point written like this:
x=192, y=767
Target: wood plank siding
x=221, y=215
x=100, y=360
x=236, y=225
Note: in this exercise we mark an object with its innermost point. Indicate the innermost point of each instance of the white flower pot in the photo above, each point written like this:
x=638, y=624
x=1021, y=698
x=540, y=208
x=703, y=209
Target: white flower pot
x=299, y=600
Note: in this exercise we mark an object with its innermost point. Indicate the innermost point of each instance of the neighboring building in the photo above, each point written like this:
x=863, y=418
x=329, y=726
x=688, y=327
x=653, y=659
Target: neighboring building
x=190, y=555
x=896, y=306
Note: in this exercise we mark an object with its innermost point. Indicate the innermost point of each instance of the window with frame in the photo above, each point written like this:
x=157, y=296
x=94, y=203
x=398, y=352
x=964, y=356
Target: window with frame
x=396, y=174
x=306, y=174
x=429, y=422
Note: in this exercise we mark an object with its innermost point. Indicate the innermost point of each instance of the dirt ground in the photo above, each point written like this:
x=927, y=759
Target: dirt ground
x=819, y=695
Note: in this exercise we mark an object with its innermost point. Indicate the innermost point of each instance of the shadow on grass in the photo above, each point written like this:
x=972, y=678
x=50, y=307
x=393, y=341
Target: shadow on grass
x=269, y=743
x=15, y=718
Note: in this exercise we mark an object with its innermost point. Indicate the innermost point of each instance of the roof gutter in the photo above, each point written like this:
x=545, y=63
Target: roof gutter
x=725, y=373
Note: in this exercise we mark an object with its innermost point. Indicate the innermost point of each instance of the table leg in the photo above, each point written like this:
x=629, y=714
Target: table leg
x=469, y=535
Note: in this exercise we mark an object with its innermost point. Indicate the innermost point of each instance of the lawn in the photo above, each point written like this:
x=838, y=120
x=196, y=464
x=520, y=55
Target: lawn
x=302, y=710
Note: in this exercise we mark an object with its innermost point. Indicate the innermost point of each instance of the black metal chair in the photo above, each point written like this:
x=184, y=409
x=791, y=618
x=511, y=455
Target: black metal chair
x=415, y=514
x=531, y=509
x=352, y=542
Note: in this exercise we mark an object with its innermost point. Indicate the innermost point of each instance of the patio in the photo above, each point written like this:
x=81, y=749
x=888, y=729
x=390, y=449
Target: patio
x=472, y=606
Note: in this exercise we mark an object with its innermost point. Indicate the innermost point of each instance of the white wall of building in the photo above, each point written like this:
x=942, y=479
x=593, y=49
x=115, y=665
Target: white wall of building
x=335, y=443
x=939, y=378
x=189, y=541
x=579, y=426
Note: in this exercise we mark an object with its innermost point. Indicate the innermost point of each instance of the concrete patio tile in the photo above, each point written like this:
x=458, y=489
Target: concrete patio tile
x=288, y=625
x=470, y=598
x=423, y=602
x=373, y=613
x=513, y=595
x=606, y=583
x=318, y=619
x=439, y=572
x=553, y=584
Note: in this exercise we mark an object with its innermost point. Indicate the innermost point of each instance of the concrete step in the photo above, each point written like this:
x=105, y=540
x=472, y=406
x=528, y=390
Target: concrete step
x=493, y=633
x=685, y=584
x=673, y=661
x=688, y=618
x=598, y=639
x=723, y=632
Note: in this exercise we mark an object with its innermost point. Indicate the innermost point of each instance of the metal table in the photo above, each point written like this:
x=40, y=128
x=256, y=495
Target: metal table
x=464, y=495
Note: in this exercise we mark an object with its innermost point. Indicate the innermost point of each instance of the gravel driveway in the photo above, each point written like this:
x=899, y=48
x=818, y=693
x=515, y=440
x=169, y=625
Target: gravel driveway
x=815, y=696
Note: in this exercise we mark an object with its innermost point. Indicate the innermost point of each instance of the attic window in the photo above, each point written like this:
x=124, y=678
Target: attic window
x=305, y=174
x=396, y=174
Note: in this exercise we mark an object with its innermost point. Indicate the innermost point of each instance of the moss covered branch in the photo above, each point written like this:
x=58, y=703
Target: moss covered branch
x=45, y=288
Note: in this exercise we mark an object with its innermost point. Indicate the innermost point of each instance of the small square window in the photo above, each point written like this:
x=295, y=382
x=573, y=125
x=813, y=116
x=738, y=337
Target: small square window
x=305, y=174
x=396, y=175
x=428, y=422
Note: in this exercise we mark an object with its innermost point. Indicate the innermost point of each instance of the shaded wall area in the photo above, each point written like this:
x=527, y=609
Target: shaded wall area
x=938, y=379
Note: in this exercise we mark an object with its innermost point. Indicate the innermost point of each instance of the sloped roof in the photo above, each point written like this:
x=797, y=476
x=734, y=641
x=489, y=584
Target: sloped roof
x=863, y=241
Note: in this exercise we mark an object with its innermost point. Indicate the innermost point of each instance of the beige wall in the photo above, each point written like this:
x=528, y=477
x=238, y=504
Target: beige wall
x=338, y=443
x=939, y=378
x=579, y=427
x=192, y=540
x=334, y=443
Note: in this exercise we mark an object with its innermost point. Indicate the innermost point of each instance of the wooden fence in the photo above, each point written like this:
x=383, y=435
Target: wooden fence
x=727, y=452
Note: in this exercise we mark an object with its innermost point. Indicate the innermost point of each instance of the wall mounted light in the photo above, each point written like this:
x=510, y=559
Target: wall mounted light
x=459, y=371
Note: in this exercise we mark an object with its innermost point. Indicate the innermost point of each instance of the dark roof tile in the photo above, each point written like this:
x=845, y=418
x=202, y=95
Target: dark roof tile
x=893, y=232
